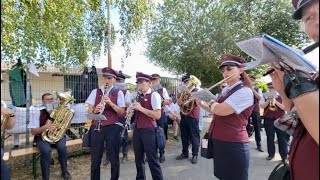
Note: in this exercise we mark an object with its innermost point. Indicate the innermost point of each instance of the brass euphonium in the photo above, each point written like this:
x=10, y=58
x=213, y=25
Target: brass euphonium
x=186, y=108
x=61, y=116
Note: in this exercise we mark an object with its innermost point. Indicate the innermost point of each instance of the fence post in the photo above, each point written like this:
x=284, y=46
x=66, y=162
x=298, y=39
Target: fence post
x=28, y=105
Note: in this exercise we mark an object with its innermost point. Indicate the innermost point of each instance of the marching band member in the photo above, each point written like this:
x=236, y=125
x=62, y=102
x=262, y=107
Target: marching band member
x=189, y=128
x=5, y=173
x=162, y=122
x=272, y=111
x=128, y=98
x=37, y=126
x=230, y=118
x=144, y=136
x=112, y=103
x=304, y=95
x=255, y=115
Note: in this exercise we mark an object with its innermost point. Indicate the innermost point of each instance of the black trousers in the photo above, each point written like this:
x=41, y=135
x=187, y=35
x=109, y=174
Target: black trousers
x=110, y=135
x=283, y=138
x=162, y=122
x=5, y=173
x=45, y=155
x=189, y=128
x=144, y=142
x=256, y=121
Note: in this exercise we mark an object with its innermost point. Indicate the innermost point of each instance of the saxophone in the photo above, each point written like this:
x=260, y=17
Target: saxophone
x=61, y=116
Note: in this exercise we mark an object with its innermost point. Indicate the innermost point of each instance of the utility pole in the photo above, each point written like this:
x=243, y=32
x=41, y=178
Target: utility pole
x=109, y=34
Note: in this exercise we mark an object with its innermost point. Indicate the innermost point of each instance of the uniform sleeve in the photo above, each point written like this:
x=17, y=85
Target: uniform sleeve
x=120, y=100
x=34, y=119
x=128, y=97
x=241, y=99
x=155, y=101
x=165, y=94
x=92, y=97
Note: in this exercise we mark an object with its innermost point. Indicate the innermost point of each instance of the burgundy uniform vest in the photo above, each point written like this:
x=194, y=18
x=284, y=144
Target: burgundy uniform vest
x=44, y=116
x=273, y=114
x=256, y=101
x=304, y=155
x=195, y=113
x=142, y=120
x=111, y=115
x=231, y=128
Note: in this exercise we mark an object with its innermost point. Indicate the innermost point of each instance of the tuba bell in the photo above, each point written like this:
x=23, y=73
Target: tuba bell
x=61, y=116
x=186, y=108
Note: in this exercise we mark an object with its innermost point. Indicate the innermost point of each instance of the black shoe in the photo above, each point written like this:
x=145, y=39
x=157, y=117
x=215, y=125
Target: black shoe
x=269, y=158
x=259, y=148
x=182, y=156
x=124, y=159
x=162, y=158
x=176, y=138
x=106, y=162
x=67, y=176
x=194, y=159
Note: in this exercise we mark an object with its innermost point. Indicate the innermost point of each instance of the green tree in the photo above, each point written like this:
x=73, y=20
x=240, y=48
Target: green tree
x=190, y=36
x=65, y=32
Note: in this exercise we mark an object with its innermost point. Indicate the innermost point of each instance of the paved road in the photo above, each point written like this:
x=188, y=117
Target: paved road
x=203, y=170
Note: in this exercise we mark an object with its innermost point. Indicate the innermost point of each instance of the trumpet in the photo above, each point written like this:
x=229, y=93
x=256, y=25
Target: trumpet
x=210, y=88
x=105, y=93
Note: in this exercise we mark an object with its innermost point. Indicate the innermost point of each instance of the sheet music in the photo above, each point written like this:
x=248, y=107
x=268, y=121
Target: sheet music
x=182, y=89
x=203, y=95
x=266, y=49
x=96, y=117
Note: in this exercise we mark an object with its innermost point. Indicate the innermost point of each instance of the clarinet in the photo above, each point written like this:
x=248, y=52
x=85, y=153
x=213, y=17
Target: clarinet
x=97, y=129
x=130, y=114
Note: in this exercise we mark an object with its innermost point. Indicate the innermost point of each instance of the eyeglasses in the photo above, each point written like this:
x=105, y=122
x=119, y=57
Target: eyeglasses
x=228, y=68
x=141, y=81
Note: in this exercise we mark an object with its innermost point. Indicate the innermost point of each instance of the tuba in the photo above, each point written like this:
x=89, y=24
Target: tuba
x=61, y=116
x=4, y=121
x=186, y=108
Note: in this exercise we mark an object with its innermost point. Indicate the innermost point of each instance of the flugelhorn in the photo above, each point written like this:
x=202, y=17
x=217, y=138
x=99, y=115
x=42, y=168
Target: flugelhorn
x=210, y=88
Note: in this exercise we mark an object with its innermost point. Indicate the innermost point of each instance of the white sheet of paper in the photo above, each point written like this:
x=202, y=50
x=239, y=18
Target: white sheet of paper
x=204, y=143
x=204, y=95
x=270, y=94
x=182, y=89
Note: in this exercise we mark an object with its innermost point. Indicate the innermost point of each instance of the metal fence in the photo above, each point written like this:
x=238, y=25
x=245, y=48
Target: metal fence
x=16, y=94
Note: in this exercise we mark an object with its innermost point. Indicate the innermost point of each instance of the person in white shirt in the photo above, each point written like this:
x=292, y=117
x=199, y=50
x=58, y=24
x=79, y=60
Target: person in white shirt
x=173, y=116
x=109, y=101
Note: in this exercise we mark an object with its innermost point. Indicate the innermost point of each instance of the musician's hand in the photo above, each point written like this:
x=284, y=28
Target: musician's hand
x=127, y=104
x=107, y=100
x=98, y=108
x=50, y=126
x=179, y=102
x=198, y=102
x=136, y=106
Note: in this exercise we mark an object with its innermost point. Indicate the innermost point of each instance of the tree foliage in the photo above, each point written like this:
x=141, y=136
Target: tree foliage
x=190, y=36
x=64, y=32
